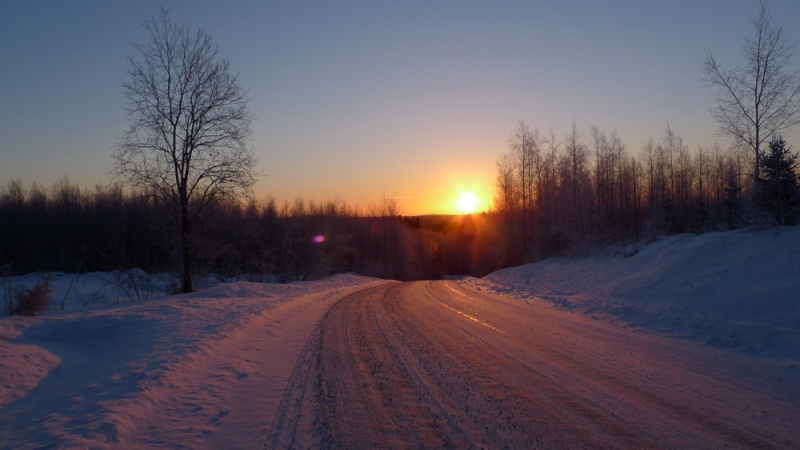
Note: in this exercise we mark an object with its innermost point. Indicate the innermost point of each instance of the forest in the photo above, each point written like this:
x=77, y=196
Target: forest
x=554, y=196
x=72, y=229
x=586, y=190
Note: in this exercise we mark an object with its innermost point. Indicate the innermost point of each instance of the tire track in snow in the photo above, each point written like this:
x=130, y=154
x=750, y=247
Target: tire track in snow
x=675, y=408
x=425, y=365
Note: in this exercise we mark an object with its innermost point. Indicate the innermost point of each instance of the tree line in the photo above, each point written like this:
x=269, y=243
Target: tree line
x=584, y=190
x=72, y=229
x=554, y=196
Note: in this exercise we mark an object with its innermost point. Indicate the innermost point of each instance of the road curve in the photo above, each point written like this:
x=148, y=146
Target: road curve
x=433, y=364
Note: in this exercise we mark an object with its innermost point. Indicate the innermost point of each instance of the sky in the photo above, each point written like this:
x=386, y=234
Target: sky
x=358, y=99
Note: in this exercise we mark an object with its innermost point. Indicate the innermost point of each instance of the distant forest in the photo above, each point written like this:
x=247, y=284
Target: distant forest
x=69, y=229
x=554, y=196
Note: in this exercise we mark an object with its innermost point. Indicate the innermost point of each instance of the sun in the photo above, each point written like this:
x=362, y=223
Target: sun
x=468, y=202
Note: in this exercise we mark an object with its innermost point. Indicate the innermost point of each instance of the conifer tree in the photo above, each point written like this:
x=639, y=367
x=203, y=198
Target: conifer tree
x=778, y=193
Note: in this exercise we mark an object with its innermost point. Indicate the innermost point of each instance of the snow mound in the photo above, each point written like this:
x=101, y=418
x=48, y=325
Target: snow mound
x=737, y=289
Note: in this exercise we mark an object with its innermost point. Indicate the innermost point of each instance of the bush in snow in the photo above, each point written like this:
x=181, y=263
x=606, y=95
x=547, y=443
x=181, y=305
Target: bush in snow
x=34, y=300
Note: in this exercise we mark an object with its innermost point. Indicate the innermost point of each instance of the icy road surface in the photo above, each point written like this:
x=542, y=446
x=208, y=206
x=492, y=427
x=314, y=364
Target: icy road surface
x=437, y=364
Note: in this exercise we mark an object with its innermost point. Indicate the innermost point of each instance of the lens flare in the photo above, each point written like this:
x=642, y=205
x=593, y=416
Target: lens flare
x=319, y=239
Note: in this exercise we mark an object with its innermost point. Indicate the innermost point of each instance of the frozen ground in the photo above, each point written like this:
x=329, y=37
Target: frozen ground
x=564, y=353
x=199, y=370
x=737, y=290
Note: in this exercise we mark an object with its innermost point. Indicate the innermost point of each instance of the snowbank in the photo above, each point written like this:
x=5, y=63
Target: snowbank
x=737, y=289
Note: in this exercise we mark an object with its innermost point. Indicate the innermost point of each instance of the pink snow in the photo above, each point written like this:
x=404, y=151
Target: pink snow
x=738, y=290
x=203, y=370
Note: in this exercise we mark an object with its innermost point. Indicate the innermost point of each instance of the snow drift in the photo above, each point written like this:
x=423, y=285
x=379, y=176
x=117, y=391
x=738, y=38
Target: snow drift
x=738, y=289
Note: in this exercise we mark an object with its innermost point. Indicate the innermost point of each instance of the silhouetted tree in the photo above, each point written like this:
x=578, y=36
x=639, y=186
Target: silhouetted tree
x=187, y=143
x=760, y=98
x=777, y=192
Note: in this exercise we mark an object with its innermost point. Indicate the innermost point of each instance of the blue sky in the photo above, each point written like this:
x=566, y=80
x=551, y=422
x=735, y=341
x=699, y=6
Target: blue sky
x=415, y=99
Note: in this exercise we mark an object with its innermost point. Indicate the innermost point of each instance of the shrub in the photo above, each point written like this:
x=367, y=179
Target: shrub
x=34, y=300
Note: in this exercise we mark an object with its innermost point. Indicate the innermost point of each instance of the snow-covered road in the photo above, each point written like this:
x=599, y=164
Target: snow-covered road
x=355, y=362
x=440, y=364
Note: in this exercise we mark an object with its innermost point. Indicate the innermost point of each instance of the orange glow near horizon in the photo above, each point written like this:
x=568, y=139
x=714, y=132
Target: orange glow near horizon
x=435, y=191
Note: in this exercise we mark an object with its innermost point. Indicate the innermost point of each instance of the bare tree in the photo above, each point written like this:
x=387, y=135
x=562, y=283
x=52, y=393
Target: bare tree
x=525, y=145
x=504, y=201
x=187, y=142
x=761, y=98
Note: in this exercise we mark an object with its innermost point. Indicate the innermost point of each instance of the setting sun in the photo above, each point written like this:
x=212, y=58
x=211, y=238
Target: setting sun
x=468, y=202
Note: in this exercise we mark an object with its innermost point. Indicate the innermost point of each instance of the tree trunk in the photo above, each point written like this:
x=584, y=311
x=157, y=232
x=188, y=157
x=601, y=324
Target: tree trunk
x=186, y=266
x=757, y=170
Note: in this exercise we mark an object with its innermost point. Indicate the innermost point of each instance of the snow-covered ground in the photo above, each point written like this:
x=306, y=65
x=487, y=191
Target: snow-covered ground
x=157, y=371
x=738, y=290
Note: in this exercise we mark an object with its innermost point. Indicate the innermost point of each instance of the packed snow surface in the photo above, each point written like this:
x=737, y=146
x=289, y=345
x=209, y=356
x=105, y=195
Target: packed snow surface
x=738, y=290
x=435, y=364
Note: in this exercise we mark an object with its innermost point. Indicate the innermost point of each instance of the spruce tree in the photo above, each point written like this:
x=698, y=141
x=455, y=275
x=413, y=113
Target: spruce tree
x=778, y=193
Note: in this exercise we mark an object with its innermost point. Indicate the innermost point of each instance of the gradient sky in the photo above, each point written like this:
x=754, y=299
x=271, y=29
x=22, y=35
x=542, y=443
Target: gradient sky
x=357, y=99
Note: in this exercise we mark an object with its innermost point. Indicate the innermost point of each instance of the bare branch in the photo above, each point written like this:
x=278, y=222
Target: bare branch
x=762, y=98
x=189, y=126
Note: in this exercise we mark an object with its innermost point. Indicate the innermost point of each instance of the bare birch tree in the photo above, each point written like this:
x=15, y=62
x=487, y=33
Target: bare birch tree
x=761, y=98
x=188, y=140
x=525, y=146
